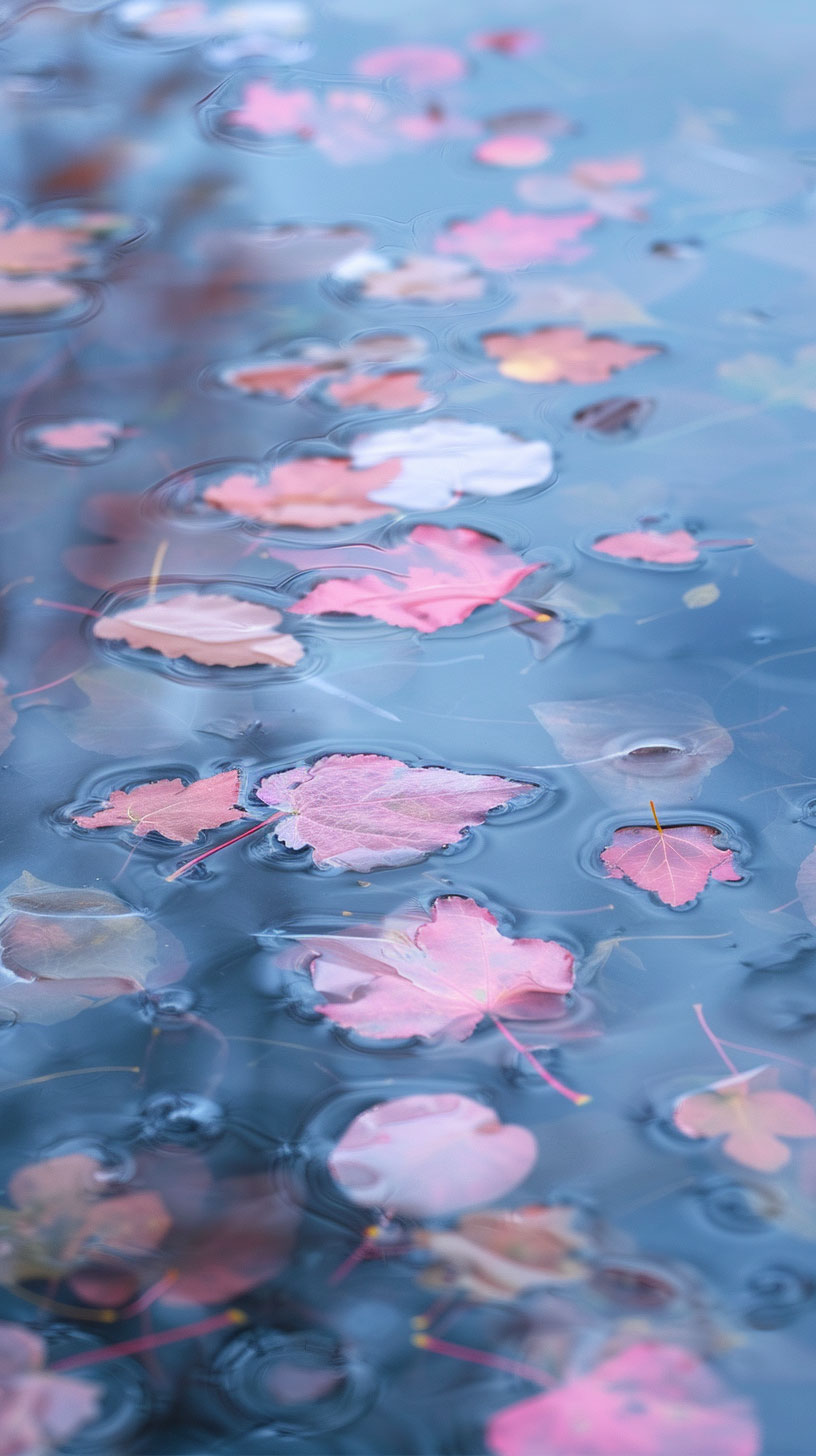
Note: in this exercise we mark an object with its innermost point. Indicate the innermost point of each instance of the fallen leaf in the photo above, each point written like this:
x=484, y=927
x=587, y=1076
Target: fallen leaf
x=660, y=548
x=548, y=355
x=592, y=184
x=169, y=807
x=617, y=415
x=314, y=491
x=435, y=462
x=416, y=66
x=400, y=390
x=79, y=436
x=29, y=247
x=69, y=949
x=434, y=578
x=216, y=630
x=507, y=240
x=423, y=279
x=674, y=863
x=40, y=1410
x=36, y=295
x=752, y=1122
x=502, y=1254
x=639, y=746
x=650, y=1400
x=442, y=980
x=513, y=149
x=362, y=810
x=517, y=42
x=428, y=1155
x=701, y=596
x=270, y=112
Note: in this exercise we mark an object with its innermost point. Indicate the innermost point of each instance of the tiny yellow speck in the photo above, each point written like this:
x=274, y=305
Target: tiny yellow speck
x=107, y=1316
x=345, y=912
x=544, y=617
x=236, y=1316
x=421, y=1341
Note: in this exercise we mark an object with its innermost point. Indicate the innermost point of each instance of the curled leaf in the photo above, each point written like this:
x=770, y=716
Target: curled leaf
x=212, y=629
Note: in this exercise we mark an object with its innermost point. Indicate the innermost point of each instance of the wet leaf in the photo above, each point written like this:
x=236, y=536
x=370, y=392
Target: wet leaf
x=548, y=355
x=652, y=1399
x=363, y=811
x=660, y=548
x=428, y=1155
x=35, y=248
x=212, y=629
x=617, y=415
x=674, y=863
x=315, y=491
x=80, y=436
x=752, y=1121
x=507, y=240
x=513, y=149
x=416, y=66
x=35, y=295
x=40, y=1410
x=169, y=807
x=425, y=279
x=442, y=979
x=437, y=461
x=286, y=377
x=502, y=1254
x=271, y=112
x=592, y=184
x=434, y=579
x=400, y=390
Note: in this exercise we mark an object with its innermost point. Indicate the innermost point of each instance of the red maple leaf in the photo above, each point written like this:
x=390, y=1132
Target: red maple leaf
x=170, y=807
x=675, y=864
x=435, y=578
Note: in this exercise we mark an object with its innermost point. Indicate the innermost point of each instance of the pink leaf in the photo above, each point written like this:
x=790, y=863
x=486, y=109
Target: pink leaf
x=171, y=808
x=501, y=1254
x=507, y=42
x=752, y=1122
x=318, y=492
x=651, y=1400
x=363, y=810
x=242, y=1238
x=675, y=864
x=664, y=548
x=508, y=240
x=77, y=436
x=270, y=112
x=287, y=378
x=455, y=969
x=34, y=248
x=548, y=355
x=39, y=1410
x=427, y=279
x=416, y=66
x=435, y=578
x=610, y=172
x=35, y=295
x=215, y=630
x=397, y=391
x=429, y=1155
x=513, y=149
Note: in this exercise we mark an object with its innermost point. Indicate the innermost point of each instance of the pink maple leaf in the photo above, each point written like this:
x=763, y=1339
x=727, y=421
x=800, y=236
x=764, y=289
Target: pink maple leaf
x=675, y=864
x=507, y=240
x=650, y=1400
x=399, y=390
x=662, y=548
x=430, y=1155
x=80, y=435
x=214, y=630
x=170, y=807
x=30, y=247
x=286, y=377
x=35, y=295
x=753, y=1122
x=317, y=492
x=549, y=355
x=39, y=1409
x=513, y=149
x=455, y=969
x=363, y=810
x=435, y=578
x=270, y=112
x=416, y=66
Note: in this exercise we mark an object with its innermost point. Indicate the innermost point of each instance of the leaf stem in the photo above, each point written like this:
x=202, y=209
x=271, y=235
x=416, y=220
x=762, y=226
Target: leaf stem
x=66, y=607
x=654, y=816
x=525, y=611
x=480, y=1357
x=715, y=1041
x=579, y=1098
x=151, y=1342
x=188, y=864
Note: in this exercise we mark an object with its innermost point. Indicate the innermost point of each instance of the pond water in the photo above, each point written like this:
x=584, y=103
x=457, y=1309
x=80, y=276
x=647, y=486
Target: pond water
x=408, y=432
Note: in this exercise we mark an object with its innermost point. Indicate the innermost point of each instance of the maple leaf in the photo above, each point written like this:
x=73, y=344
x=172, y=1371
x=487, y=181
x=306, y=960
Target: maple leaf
x=506, y=240
x=77, y=437
x=416, y=66
x=661, y=548
x=362, y=810
x=429, y=1155
x=675, y=864
x=170, y=807
x=443, y=979
x=616, y=415
x=425, y=279
x=318, y=491
x=287, y=378
x=271, y=112
x=650, y=1400
x=40, y=1410
x=434, y=579
x=69, y=949
x=548, y=355
x=399, y=390
x=753, y=1122
x=29, y=247
x=36, y=295
x=513, y=149
x=502, y=1254
x=435, y=462
x=217, y=630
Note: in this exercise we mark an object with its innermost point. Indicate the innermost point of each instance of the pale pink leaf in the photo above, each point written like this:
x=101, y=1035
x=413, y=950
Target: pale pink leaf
x=513, y=149
x=426, y=279
x=400, y=390
x=318, y=492
x=363, y=810
x=435, y=578
x=40, y=1410
x=219, y=631
x=662, y=548
x=502, y=1253
x=428, y=1155
x=549, y=355
x=753, y=1122
x=674, y=863
x=171, y=808
x=35, y=295
x=286, y=377
x=507, y=240
x=29, y=247
x=80, y=435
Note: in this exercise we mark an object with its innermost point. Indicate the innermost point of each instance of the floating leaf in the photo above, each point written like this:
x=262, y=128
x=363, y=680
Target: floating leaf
x=315, y=491
x=240, y=1236
x=513, y=149
x=506, y=240
x=428, y=1155
x=362, y=811
x=660, y=548
x=455, y=969
x=617, y=415
x=415, y=277
x=548, y=355
x=36, y=295
x=652, y=1399
x=753, y=1122
x=437, y=461
x=270, y=112
x=502, y=1254
x=435, y=578
x=416, y=66
x=400, y=390
x=78, y=437
x=217, y=630
x=170, y=807
x=592, y=184
x=701, y=596
x=675, y=864
x=40, y=1410
x=29, y=247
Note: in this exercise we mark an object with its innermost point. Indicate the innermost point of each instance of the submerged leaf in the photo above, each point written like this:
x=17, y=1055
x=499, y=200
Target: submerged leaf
x=660, y=548
x=215, y=630
x=364, y=811
x=429, y=1155
x=675, y=864
x=502, y=1254
x=507, y=240
x=753, y=1122
x=315, y=491
x=170, y=807
x=40, y=1410
x=548, y=355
